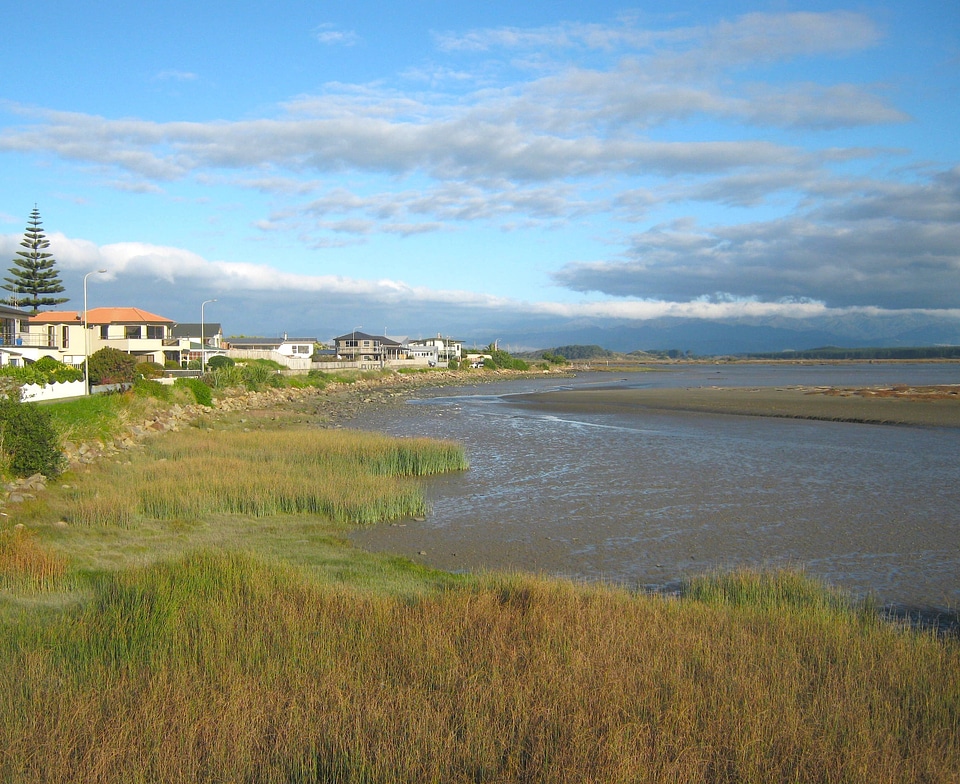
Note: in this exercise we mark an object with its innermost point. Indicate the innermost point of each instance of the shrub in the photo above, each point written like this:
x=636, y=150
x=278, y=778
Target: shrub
x=111, y=366
x=453, y=364
x=149, y=369
x=201, y=392
x=220, y=361
x=29, y=439
x=171, y=364
x=145, y=387
x=45, y=370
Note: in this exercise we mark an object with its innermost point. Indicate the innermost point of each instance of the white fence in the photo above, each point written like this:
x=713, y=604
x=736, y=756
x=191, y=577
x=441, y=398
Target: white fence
x=54, y=391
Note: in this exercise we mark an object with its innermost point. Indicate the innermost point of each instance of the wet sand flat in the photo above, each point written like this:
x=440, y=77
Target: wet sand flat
x=925, y=406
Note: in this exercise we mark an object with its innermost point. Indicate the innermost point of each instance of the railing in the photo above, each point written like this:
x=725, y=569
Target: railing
x=28, y=340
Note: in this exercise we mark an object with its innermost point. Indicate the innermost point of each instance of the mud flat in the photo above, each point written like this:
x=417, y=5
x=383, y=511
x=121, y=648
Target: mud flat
x=920, y=406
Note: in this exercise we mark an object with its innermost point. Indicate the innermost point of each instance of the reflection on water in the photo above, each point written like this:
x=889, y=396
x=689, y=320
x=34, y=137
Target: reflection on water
x=645, y=499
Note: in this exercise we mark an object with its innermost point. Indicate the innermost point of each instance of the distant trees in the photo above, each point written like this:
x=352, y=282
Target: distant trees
x=34, y=276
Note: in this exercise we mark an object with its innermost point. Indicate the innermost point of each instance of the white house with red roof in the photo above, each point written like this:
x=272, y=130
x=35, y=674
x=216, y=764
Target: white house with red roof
x=60, y=334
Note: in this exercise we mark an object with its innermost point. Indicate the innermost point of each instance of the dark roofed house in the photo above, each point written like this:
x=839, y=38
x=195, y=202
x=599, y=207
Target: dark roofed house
x=361, y=347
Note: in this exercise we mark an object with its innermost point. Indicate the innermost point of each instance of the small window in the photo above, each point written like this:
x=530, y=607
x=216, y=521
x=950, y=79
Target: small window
x=104, y=331
x=132, y=332
x=155, y=333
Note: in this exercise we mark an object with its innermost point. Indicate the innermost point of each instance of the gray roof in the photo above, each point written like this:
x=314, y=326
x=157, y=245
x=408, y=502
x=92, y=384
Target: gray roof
x=210, y=328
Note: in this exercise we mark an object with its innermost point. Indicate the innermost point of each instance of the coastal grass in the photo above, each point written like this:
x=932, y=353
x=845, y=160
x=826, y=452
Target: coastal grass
x=346, y=477
x=227, y=667
x=223, y=630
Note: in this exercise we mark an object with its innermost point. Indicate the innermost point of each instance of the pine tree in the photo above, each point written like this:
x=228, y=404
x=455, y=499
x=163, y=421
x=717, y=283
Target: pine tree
x=34, y=275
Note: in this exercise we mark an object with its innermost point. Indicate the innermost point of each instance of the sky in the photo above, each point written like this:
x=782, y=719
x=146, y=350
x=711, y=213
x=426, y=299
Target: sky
x=491, y=171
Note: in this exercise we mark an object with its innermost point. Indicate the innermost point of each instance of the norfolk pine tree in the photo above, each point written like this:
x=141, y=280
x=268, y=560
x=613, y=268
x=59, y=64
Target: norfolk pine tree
x=34, y=275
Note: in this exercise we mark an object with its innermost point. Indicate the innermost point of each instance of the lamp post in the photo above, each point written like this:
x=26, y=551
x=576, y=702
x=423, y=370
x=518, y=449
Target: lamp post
x=86, y=333
x=355, y=346
x=203, y=338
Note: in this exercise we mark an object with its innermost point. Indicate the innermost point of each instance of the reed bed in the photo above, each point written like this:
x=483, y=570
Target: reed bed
x=225, y=668
x=348, y=477
x=25, y=562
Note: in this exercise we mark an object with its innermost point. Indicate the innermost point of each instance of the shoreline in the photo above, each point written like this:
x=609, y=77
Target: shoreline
x=912, y=406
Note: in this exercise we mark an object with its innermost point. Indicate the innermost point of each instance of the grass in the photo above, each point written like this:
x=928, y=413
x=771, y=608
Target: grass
x=221, y=630
x=223, y=667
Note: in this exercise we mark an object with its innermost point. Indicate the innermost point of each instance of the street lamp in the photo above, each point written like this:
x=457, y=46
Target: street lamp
x=86, y=333
x=356, y=348
x=203, y=338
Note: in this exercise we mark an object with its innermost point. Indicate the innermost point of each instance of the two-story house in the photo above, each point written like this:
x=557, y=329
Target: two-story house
x=15, y=337
x=199, y=342
x=131, y=330
x=447, y=348
x=361, y=347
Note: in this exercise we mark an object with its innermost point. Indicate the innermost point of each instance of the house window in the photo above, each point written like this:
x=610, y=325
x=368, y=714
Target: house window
x=51, y=336
x=155, y=333
x=65, y=341
x=132, y=332
x=104, y=331
x=301, y=349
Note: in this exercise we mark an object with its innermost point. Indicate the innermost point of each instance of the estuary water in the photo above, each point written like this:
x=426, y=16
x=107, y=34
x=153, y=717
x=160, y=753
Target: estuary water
x=646, y=498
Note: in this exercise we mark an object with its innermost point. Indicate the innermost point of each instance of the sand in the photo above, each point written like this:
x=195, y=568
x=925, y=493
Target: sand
x=922, y=406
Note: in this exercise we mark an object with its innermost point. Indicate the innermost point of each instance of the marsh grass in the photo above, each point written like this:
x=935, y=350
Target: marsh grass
x=172, y=653
x=344, y=476
x=25, y=562
x=223, y=667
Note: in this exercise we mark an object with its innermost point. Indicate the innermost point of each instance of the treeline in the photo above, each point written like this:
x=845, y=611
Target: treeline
x=571, y=353
x=834, y=352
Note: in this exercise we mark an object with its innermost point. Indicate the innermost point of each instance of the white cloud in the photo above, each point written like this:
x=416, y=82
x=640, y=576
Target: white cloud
x=328, y=34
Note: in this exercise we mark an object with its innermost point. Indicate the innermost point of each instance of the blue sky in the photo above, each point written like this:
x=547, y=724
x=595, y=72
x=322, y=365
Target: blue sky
x=490, y=170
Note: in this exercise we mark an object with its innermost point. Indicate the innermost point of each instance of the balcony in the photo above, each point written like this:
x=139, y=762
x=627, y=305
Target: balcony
x=28, y=340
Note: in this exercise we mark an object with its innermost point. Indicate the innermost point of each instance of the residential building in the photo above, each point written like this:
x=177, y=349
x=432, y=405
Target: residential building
x=131, y=330
x=447, y=348
x=360, y=347
x=14, y=335
x=189, y=342
x=295, y=353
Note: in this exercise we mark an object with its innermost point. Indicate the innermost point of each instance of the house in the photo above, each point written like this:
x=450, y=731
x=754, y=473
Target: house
x=15, y=336
x=57, y=334
x=361, y=347
x=193, y=342
x=131, y=330
x=295, y=353
x=60, y=334
x=447, y=348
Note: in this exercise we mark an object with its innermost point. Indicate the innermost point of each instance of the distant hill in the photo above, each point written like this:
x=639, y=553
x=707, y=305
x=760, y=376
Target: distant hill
x=835, y=352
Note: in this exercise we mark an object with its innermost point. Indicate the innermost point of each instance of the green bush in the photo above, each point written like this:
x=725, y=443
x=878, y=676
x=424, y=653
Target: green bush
x=149, y=370
x=145, y=387
x=201, y=392
x=220, y=361
x=45, y=370
x=29, y=440
x=111, y=366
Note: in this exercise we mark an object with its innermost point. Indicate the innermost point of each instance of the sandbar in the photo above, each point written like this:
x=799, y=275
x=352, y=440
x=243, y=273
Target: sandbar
x=919, y=406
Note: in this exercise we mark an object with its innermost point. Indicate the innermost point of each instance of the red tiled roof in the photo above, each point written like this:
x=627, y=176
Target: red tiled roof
x=124, y=316
x=55, y=317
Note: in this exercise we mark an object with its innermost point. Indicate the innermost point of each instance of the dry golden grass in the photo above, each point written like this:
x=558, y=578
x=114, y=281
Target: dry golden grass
x=223, y=668
x=26, y=562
